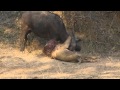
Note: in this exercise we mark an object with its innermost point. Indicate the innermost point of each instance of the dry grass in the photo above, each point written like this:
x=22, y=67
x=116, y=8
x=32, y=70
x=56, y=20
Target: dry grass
x=99, y=29
x=17, y=65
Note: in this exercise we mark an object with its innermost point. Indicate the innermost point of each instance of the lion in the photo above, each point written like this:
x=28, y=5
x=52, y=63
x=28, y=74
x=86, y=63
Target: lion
x=58, y=51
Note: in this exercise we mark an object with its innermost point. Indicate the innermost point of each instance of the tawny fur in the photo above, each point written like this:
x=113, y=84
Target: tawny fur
x=61, y=52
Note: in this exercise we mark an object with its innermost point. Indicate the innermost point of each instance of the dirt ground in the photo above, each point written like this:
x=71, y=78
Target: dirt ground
x=24, y=65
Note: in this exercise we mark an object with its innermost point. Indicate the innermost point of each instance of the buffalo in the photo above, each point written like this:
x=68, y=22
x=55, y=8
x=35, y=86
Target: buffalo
x=44, y=24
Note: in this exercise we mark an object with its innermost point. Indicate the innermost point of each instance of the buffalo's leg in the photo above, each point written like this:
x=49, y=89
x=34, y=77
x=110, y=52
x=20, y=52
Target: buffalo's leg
x=23, y=38
x=72, y=45
x=78, y=47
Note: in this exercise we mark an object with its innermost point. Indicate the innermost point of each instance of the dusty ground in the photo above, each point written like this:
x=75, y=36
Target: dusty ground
x=17, y=65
